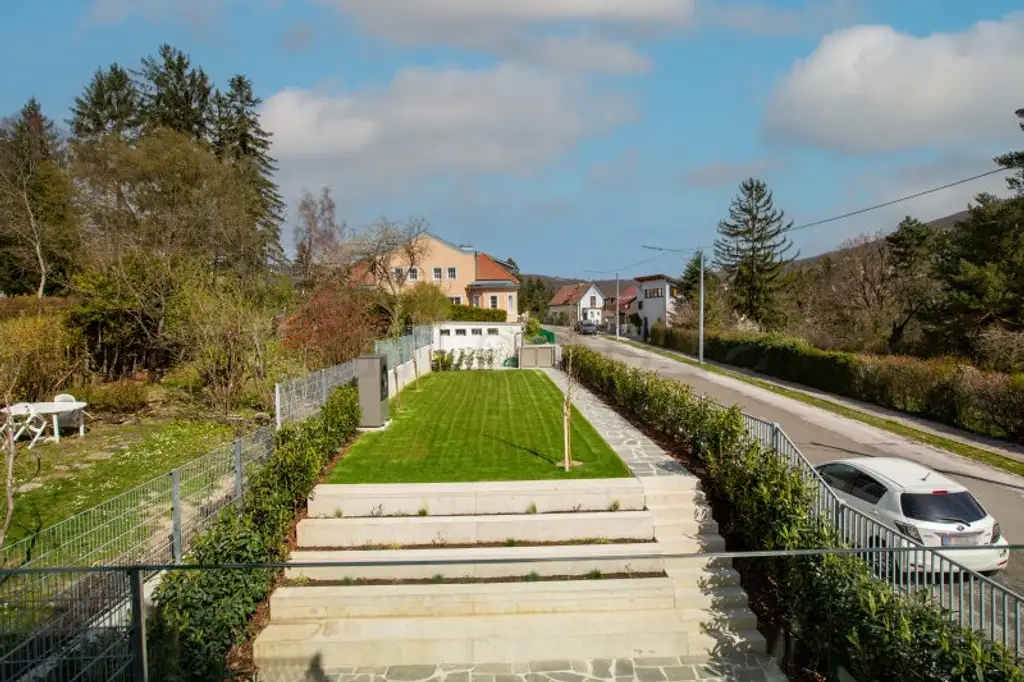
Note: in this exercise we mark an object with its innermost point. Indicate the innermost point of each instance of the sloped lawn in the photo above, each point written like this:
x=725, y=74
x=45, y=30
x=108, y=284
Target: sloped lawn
x=477, y=426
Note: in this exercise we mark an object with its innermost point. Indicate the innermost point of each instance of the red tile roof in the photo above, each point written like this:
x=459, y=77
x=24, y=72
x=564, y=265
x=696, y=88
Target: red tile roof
x=488, y=269
x=570, y=293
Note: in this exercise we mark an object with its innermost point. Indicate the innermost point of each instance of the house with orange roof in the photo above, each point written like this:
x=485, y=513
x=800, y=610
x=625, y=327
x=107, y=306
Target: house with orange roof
x=578, y=302
x=467, y=276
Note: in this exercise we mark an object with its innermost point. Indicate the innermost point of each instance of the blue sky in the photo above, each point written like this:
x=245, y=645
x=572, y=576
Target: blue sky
x=568, y=134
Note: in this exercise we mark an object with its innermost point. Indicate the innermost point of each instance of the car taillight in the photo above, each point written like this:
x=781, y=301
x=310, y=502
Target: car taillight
x=908, y=530
x=996, y=533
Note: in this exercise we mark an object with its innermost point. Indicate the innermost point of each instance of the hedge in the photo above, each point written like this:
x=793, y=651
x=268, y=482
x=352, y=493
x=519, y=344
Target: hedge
x=842, y=612
x=199, y=615
x=467, y=313
x=987, y=403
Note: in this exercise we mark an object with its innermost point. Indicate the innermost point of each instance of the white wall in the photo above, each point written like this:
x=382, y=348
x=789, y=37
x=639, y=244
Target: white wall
x=654, y=309
x=593, y=314
x=503, y=344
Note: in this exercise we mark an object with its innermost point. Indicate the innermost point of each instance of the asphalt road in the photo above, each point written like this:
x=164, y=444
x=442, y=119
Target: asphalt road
x=823, y=436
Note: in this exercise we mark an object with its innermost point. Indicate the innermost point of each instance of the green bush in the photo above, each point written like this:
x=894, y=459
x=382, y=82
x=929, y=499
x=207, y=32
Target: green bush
x=952, y=393
x=118, y=397
x=200, y=615
x=532, y=326
x=842, y=612
x=466, y=313
x=39, y=354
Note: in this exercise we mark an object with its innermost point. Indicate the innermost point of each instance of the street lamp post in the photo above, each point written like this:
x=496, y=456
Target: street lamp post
x=700, y=313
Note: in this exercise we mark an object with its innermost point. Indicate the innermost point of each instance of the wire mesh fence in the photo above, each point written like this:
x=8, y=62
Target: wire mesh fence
x=401, y=350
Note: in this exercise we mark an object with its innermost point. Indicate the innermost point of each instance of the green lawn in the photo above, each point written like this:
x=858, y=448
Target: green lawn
x=501, y=425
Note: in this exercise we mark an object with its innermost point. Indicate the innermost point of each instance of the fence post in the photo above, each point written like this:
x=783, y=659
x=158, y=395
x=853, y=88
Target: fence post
x=277, y=406
x=140, y=664
x=238, y=469
x=776, y=437
x=176, y=515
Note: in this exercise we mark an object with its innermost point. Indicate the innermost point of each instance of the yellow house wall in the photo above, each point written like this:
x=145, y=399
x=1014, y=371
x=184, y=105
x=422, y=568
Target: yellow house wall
x=437, y=254
x=512, y=312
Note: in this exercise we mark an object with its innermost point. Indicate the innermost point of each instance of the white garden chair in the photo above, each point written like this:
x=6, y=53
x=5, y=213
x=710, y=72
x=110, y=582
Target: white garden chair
x=35, y=424
x=70, y=420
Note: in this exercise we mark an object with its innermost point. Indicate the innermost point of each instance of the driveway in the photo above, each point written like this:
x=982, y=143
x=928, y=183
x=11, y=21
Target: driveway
x=823, y=436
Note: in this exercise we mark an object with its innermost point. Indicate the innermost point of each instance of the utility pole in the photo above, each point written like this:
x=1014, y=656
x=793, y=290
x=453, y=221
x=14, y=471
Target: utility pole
x=700, y=314
x=617, y=305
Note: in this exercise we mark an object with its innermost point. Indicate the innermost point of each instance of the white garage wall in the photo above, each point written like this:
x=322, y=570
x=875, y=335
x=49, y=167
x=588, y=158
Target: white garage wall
x=501, y=338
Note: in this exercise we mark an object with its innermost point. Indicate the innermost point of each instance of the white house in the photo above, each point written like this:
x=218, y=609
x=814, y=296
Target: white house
x=578, y=302
x=654, y=301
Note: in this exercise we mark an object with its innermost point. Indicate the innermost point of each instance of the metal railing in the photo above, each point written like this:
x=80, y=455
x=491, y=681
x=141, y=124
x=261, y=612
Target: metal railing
x=972, y=600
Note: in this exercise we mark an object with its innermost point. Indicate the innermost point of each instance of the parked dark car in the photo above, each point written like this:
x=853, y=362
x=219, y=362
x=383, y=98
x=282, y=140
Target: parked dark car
x=588, y=328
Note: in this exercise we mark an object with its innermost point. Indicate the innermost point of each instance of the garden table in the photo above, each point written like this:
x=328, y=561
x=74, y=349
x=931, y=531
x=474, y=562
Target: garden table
x=23, y=413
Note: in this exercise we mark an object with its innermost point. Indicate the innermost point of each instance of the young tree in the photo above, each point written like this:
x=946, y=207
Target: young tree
x=752, y=251
x=384, y=254
x=36, y=197
x=426, y=303
x=317, y=234
x=239, y=138
x=514, y=265
x=175, y=95
x=914, y=252
x=333, y=325
x=108, y=106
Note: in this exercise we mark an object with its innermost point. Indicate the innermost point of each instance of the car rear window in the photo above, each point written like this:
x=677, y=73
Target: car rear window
x=945, y=507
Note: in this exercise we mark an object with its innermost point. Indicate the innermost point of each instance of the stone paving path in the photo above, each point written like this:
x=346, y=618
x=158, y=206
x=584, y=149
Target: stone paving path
x=642, y=455
x=743, y=668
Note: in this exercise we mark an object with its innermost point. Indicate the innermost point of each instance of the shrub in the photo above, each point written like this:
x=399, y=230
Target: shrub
x=17, y=306
x=842, y=611
x=119, y=397
x=532, y=326
x=199, y=616
x=943, y=390
x=466, y=313
x=38, y=356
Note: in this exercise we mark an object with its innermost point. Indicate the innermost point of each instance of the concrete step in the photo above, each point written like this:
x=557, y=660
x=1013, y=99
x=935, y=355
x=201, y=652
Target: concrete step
x=459, y=530
x=493, y=497
x=666, y=525
x=502, y=562
x=674, y=498
x=519, y=637
x=316, y=602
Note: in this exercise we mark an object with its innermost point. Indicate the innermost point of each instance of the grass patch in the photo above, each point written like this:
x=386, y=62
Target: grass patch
x=969, y=451
x=74, y=479
x=478, y=426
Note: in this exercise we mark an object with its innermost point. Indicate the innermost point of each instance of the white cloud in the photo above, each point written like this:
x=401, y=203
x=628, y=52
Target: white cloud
x=573, y=35
x=427, y=123
x=729, y=173
x=762, y=18
x=871, y=89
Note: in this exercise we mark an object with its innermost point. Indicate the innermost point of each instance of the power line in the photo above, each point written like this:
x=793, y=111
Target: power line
x=897, y=201
x=625, y=267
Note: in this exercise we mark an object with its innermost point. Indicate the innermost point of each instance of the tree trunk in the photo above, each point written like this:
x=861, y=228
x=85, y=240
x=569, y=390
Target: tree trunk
x=896, y=335
x=9, y=453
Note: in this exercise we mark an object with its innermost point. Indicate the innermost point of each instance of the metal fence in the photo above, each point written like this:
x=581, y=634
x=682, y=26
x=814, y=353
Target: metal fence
x=970, y=599
x=301, y=397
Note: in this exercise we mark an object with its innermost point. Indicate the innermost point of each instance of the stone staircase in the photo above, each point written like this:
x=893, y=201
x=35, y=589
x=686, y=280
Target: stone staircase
x=445, y=577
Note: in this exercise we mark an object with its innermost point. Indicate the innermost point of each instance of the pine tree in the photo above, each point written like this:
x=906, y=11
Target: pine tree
x=1015, y=161
x=752, y=251
x=238, y=137
x=109, y=105
x=174, y=94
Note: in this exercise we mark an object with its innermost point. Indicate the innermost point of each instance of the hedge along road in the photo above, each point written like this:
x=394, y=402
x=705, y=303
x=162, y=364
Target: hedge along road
x=823, y=436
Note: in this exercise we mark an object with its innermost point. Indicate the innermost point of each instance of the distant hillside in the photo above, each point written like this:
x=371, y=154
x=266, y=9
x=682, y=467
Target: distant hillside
x=605, y=286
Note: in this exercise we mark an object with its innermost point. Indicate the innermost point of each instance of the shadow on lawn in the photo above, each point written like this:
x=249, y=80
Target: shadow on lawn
x=518, y=446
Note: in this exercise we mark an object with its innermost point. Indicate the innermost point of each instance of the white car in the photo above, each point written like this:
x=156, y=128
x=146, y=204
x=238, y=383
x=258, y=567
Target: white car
x=922, y=504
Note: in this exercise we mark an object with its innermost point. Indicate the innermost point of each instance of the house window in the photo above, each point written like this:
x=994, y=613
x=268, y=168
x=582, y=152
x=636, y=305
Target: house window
x=460, y=332
x=414, y=274
x=478, y=332
x=452, y=274
x=511, y=303
x=437, y=273
x=593, y=301
x=494, y=301
x=446, y=332
x=457, y=300
x=491, y=331
x=397, y=273
x=476, y=300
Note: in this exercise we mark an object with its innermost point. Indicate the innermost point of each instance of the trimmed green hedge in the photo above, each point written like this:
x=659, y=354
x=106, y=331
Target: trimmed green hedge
x=843, y=613
x=200, y=615
x=468, y=313
x=952, y=393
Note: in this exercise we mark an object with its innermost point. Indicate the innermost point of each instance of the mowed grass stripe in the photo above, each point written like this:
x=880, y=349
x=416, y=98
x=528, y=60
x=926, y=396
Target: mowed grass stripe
x=497, y=425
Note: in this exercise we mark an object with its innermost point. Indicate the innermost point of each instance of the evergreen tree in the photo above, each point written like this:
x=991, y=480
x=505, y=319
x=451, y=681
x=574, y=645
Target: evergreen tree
x=174, y=94
x=914, y=252
x=752, y=251
x=238, y=137
x=514, y=266
x=1015, y=161
x=109, y=105
x=36, y=204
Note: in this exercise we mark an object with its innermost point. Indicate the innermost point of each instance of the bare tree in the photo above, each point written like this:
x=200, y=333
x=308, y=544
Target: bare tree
x=318, y=233
x=10, y=451
x=384, y=255
x=570, y=382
